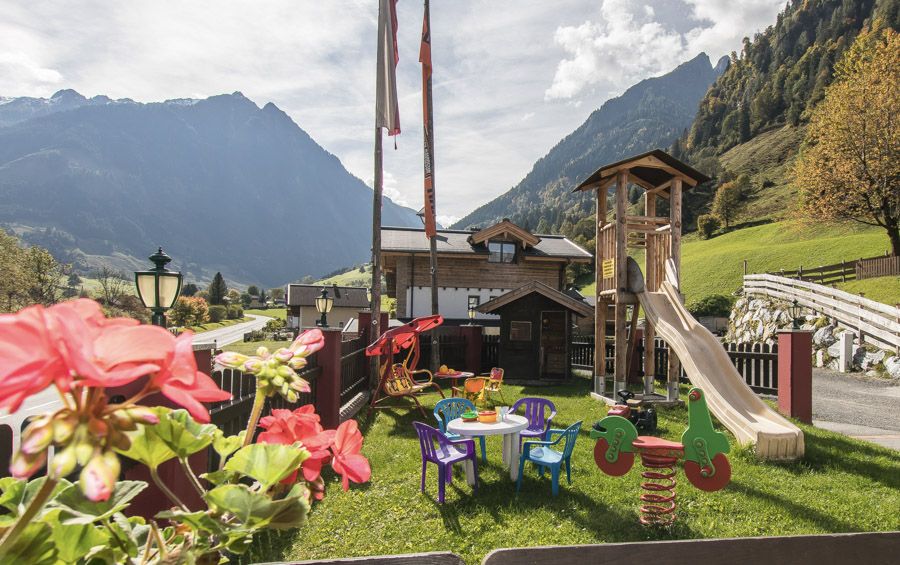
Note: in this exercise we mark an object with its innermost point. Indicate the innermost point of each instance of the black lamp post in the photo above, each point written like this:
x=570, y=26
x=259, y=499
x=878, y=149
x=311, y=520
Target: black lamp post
x=794, y=311
x=323, y=306
x=158, y=288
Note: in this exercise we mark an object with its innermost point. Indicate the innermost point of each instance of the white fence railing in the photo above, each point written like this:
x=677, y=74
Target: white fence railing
x=874, y=322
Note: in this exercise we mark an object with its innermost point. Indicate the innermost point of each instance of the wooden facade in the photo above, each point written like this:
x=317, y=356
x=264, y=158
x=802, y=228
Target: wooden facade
x=466, y=269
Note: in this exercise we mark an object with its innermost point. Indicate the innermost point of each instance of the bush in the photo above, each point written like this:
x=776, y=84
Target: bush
x=217, y=313
x=189, y=311
x=275, y=324
x=707, y=225
x=235, y=312
x=714, y=305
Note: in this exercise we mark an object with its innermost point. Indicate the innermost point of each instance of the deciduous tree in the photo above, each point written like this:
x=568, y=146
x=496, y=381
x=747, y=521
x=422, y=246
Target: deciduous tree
x=850, y=166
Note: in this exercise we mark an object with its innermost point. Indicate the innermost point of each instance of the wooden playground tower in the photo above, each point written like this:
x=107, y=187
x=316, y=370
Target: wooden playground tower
x=661, y=176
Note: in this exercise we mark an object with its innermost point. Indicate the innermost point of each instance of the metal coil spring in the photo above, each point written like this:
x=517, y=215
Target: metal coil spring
x=659, y=500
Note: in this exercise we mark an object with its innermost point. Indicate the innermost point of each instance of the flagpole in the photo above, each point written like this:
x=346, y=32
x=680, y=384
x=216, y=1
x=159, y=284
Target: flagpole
x=429, y=173
x=375, y=306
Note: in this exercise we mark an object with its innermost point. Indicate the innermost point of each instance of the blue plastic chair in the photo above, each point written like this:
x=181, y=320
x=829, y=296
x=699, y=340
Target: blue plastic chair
x=550, y=458
x=449, y=409
x=536, y=414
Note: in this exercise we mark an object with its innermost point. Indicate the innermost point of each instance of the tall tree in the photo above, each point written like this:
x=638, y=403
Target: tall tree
x=218, y=290
x=43, y=276
x=190, y=289
x=253, y=290
x=113, y=285
x=276, y=293
x=850, y=168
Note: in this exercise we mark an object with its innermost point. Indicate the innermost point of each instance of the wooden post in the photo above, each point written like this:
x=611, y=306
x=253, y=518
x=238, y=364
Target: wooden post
x=651, y=269
x=619, y=375
x=600, y=306
x=328, y=385
x=375, y=306
x=674, y=369
x=435, y=345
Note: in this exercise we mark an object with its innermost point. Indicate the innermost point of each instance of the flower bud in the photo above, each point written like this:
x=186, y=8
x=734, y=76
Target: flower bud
x=231, y=359
x=277, y=381
x=297, y=363
x=98, y=478
x=63, y=428
x=24, y=464
x=98, y=428
x=285, y=372
x=37, y=438
x=292, y=397
x=122, y=421
x=63, y=462
x=83, y=452
x=301, y=385
x=253, y=366
x=142, y=414
x=283, y=355
x=262, y=352
x=118, y=440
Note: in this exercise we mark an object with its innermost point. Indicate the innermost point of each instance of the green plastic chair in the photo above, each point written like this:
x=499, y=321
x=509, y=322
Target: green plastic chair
x=544, y=457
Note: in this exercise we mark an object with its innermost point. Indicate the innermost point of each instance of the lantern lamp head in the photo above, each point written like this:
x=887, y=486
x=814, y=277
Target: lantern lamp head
x=794, y=311
x=324, y=303
x=159, y=287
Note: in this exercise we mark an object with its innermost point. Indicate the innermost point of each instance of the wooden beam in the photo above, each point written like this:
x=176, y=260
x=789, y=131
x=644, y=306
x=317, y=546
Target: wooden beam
x=621, y=278
x=650, y=282
x=600, y=307
x=674, y=369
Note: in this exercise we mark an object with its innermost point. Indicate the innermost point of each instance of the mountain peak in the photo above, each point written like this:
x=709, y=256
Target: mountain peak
x=67, y=94
x=723, y=64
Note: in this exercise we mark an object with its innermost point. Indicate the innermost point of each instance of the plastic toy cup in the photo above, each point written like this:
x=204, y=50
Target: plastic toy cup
x=502, y=411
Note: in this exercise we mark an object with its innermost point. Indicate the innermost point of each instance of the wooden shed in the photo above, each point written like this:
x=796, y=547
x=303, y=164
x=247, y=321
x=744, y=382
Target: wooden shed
x=536, y=331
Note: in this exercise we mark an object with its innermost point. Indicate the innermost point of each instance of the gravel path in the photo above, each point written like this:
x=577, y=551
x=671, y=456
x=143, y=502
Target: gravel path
x=860, y=407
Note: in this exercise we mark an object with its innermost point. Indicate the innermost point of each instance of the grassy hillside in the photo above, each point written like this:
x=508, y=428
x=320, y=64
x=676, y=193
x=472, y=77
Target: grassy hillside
x=715, y=266
x=882, y=289
x=350, y=278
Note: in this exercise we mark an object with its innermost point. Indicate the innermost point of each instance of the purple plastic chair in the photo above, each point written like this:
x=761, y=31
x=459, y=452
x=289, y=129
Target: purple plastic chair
x=444, y=455
x=538, y=421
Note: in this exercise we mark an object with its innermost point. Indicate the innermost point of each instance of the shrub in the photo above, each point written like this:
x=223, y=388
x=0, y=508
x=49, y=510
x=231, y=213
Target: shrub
x=235, y=312
x=707, y=225
x=217, y=313
x=713, y=305
x=275, y=324
x=189, y=311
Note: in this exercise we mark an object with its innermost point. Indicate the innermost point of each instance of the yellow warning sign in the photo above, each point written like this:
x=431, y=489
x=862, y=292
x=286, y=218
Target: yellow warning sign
x=609, y=268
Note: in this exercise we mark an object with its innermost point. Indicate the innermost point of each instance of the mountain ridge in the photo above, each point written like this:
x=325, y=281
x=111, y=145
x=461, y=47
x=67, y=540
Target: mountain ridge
x=221, y=183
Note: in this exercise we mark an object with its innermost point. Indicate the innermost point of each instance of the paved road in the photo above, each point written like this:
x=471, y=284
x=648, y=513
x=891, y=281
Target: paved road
x=856, y=406
x=230, y=334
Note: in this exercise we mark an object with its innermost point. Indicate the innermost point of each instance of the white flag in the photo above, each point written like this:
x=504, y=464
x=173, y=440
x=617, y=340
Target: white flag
x=387, y=111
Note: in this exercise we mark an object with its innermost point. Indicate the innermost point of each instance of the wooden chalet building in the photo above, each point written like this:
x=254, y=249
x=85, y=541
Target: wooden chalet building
x=301, y=304
x=473, y=267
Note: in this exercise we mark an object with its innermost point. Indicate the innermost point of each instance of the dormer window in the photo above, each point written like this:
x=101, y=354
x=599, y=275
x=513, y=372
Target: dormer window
x=501, y=252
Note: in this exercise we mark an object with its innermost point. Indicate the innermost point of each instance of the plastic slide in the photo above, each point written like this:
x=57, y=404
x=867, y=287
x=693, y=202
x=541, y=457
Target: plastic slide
x=708, y=366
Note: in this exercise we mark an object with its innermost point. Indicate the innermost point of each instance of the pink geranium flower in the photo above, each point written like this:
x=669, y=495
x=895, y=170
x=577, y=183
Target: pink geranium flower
x=181, y=382
x=302, y=425
x=347, y=460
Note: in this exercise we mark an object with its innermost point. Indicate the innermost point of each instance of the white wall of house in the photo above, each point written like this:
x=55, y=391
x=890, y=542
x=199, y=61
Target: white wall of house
x=309, y=316
x=452, y=302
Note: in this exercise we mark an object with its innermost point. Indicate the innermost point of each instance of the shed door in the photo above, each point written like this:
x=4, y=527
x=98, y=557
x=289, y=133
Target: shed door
x=553, y=345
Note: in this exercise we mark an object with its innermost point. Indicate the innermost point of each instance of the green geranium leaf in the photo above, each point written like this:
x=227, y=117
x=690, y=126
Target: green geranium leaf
x=226, y=445
x=268, y=463
x=17, y=493
x=35, y=546
x=199, y=521
x=182, y=434
x=74, y=541
x=222, y=477
x=257, y=510
x=147, y=446
x=76, y=509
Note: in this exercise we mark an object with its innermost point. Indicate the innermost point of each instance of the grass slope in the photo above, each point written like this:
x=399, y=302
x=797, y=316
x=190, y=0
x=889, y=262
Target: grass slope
x=280, y=313
x=842, y=485
x=882, y=289
x=715, y=266
x=350, y=278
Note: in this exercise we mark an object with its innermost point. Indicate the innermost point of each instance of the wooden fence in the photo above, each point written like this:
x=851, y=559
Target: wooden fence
x=452, y=348
x=873, y=322
x=878, y=267
x=490, y=352
x=869, y=267
x=757, y=363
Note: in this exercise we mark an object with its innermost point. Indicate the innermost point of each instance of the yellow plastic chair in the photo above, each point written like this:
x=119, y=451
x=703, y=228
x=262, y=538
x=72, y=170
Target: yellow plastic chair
x=479, y=389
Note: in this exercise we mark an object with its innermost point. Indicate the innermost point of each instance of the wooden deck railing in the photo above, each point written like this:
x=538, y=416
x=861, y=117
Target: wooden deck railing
x=874, y=322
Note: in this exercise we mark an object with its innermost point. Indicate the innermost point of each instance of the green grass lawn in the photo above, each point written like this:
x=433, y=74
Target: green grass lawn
x=715, y=266
x=280, y=313
x=882, y=289
x=216, y=325
x=250, y=347
x=841, y=485
x=351, y=277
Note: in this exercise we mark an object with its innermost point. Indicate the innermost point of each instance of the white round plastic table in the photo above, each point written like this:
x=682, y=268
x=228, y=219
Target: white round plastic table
x=509, y=428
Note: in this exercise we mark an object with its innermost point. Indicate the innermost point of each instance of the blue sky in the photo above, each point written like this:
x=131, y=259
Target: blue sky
x=511, y=78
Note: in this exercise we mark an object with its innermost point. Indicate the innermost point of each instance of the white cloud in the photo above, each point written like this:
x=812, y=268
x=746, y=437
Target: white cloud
x=625, y=42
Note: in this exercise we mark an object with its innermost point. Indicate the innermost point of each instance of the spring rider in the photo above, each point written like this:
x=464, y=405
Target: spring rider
x=702, y=448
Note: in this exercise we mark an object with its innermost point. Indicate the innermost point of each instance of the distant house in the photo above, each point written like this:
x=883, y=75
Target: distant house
x=301, y=304
x=473, y=267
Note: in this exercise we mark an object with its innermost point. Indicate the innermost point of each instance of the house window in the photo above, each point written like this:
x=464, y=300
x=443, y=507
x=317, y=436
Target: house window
x=501, y=252
x=520, y=331
x=474, y=301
